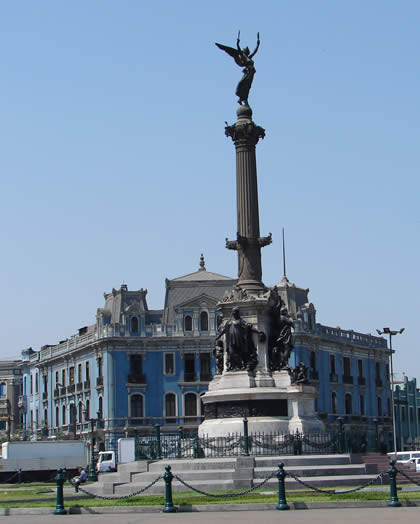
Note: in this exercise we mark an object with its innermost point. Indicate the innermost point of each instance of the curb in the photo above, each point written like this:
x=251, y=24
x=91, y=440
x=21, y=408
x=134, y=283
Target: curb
x=5, y=512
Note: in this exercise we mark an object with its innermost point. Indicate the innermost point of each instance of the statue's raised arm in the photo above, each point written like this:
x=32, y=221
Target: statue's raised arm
x=242, y=58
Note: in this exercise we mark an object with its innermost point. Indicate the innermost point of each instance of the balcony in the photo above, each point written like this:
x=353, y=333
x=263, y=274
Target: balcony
x=63, y=391
x=56, y=393
x=333, y=377
x=45, y=396
x=379, y=383
x=79, y=386
x=189, y=376
x=361, y=381
x=347, y=379
x=99, y=381
x=71, y=388
x=136, y=378
x=87, y=384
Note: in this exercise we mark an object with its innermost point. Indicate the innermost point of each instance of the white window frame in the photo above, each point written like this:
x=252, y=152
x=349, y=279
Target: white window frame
x=164, y=363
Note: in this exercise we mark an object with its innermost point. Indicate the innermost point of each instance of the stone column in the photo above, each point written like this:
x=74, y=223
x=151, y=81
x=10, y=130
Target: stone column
x=245, y=135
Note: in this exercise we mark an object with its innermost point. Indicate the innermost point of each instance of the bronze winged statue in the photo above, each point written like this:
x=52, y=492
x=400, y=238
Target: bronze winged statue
x=244, y=59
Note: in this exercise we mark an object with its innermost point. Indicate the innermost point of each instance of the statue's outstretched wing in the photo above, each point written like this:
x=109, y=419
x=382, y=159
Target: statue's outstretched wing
x=234, y=53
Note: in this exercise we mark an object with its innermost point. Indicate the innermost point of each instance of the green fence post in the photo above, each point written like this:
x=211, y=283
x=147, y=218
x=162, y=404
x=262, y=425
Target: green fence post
x=20, y=477
x=281, y=475
x=392, y=472
x=158, y=443
x=246, y=440
x=169, y=505
x=59, y=506
x=341, y=439
x=197, y=449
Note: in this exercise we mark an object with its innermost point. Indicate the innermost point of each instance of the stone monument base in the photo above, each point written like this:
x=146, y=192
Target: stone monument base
x=282, y=408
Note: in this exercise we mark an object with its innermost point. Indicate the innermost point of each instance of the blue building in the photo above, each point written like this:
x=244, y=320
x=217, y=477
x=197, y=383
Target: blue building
x=407, y=414
x=136, y=367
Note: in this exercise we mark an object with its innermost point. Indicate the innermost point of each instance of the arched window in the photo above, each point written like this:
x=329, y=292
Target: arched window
x=80, y=413
x=72, y=412
x=334, y=402
x=348, y=403
x=100, y=406
x=3, y=389
x=134, y=325
x=190, y=405
x=204, y=321
x=87, y=412
x=379, y=404
x=190, y=401
x=188, y=323
x=362, y=405
x=170, y=407
x=63, y=415
x=57, y=416
x=136, y=408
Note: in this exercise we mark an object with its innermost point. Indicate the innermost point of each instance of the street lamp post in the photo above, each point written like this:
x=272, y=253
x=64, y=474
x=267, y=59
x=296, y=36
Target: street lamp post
x=391, y=333
x=92, y=471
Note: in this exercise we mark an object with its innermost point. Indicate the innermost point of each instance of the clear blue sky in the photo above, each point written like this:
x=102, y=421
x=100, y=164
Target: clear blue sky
x=115, y=168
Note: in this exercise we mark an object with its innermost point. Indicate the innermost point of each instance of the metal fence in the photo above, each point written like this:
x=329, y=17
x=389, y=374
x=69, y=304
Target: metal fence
x=179, y=445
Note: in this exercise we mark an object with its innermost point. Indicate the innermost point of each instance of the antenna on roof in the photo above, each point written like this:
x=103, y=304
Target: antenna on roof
x=284, y=260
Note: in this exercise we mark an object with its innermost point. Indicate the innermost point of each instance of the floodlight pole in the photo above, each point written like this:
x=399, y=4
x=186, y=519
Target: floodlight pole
x=391, y=333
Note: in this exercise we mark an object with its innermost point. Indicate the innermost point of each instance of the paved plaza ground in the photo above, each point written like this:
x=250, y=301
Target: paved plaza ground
x=315, y=516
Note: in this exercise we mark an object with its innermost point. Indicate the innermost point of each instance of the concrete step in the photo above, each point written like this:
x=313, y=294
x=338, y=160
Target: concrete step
x=193, y=464
x=319, y=471
x=301, y=460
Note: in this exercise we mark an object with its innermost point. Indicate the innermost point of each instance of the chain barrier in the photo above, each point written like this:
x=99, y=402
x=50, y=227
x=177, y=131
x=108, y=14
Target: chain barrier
x=332, y=491
x=93, y=495
x=416, y=482
x=225, y=495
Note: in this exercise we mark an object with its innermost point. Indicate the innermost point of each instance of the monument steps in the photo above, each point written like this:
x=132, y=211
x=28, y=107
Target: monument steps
x=236, y=473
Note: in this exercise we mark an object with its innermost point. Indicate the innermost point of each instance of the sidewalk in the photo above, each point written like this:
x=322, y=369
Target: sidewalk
x=319, y=516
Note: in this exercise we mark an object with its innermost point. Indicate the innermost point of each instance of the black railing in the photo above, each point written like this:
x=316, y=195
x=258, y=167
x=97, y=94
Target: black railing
x=99, y=381
x=189, y=376
x=87, y=384
x=63, y=391
x=333, y=377
x=136, y=378
x=347, y=379
x=71, y=388
x=79, y=386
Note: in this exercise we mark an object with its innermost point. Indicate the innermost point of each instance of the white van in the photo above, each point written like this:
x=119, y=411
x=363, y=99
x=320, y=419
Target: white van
x=405, y=457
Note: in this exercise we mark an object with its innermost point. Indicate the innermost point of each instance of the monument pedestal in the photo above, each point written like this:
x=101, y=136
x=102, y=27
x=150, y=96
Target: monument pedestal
x=281, y=408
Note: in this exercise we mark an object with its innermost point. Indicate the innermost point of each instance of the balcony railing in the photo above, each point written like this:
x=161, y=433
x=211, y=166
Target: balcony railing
x=333, y=377
x=79, y=386
x=189, y=376
x=63, y=391
x=361, y=381
x=87, y=384
x=347, y=379
x=99, y=381
x=136, y=378
x=56, y=393
x=45, y=395
x=71, y=388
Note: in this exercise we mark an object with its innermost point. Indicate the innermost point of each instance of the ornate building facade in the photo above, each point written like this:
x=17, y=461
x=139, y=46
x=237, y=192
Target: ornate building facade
x=135, y=368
